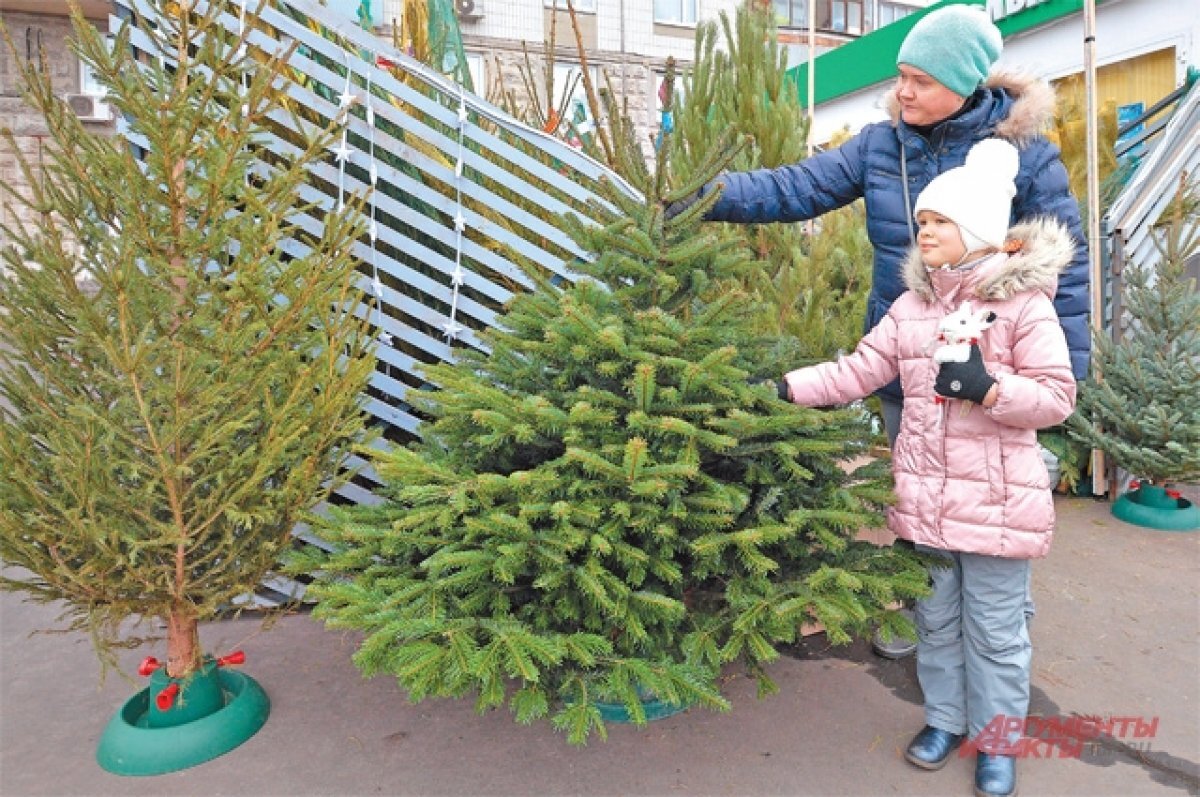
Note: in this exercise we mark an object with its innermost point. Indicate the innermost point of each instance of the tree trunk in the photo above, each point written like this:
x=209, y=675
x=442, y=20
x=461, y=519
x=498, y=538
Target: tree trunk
x=183, y=644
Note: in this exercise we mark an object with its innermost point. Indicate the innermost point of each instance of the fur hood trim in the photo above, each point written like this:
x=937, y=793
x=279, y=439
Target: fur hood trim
x=1032, y=110
x=1047, y=247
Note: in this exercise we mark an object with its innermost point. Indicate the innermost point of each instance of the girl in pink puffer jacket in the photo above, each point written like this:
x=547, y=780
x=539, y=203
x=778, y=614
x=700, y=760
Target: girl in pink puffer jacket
x=970, y=482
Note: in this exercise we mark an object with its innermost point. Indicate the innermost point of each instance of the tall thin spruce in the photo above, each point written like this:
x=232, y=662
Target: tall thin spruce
x=177, y=390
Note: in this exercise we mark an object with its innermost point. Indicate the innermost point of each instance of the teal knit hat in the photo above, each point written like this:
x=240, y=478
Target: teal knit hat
x=955, y=45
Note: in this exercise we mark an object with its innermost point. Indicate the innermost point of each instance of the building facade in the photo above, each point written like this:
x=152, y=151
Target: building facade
x=43, y=26
x=629, y=41
x=1144, y=49
x=627, y=44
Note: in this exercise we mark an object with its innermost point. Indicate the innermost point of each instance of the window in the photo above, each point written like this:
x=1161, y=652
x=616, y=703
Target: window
x=478, y=75
x=664, y=119
x=679, y=89
x=842, y=16
x=890, y=12
x=848, y=16
x=586, y=6
x=791, y=13
x=678, y=12
x=88, y=84
x=575, y=108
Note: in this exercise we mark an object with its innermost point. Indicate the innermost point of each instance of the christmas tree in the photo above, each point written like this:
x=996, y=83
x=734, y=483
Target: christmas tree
x=606, y=504
x=180, y=378
x=812, y=279
x=1143, y=410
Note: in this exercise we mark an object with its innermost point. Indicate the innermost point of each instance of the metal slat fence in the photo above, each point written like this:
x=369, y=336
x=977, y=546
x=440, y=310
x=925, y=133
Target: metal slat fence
x=458, y=194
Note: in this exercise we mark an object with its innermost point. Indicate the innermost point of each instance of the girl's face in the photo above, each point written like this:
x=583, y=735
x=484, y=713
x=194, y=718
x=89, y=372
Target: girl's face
x=924, y=101
x=939, y=240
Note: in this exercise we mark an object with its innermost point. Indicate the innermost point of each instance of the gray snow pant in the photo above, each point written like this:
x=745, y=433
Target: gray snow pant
x=973, y=651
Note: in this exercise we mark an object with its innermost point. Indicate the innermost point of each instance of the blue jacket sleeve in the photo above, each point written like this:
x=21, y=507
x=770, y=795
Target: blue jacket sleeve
x=797, y=192
x=1049, y=194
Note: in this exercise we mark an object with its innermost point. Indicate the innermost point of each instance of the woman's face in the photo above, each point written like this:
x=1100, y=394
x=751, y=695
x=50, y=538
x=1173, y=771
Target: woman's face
x=924, y=101
x=939, y=240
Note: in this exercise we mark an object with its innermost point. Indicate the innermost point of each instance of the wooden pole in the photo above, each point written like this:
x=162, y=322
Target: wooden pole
x=812, y=89
x=812, y=70
x=1099, y=482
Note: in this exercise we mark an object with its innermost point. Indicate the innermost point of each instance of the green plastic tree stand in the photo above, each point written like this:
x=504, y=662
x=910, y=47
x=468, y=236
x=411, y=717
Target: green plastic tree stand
x=1150, y=506
x=214, y=711
x=654, y=708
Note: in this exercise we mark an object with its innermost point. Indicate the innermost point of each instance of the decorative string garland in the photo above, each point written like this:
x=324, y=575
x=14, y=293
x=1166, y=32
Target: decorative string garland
x=239, y=58
x=343, y=154
x=385, y=337
x=452, y=329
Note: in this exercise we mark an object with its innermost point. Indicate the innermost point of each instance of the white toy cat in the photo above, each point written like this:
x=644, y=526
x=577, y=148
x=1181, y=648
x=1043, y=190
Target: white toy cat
x=958, y=331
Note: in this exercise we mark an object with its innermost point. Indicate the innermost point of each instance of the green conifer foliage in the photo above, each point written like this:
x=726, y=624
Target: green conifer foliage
x=1144, y=410
x=176, y=389
x=605, y=504
x=813, y=287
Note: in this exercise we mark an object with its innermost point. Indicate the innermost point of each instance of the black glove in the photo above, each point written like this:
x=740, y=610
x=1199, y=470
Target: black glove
x=780, y=386
x=966, y=380
x=673, y=209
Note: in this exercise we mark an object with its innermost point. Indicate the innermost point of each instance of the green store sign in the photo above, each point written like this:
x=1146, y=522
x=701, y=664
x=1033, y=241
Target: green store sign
x=871, y=59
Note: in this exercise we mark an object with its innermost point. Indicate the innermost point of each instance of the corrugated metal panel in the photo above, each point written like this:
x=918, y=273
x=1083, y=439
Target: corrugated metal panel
x=1133, y=214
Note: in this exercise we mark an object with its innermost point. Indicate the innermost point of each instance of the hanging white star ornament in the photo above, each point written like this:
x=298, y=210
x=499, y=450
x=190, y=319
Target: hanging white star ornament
x=347, y=98
x=458, y=278
x=451, y=329
x=460, y=223
x=374, y=172
x=374, y=230
x=385, y=338
x=462, y=116
x=342, y=153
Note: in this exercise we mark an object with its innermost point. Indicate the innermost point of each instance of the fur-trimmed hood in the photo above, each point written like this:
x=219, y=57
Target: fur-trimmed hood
x=1031, y=113
x=1047, y=248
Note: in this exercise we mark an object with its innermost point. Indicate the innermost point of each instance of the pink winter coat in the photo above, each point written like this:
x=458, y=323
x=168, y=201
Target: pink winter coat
x=969, y=478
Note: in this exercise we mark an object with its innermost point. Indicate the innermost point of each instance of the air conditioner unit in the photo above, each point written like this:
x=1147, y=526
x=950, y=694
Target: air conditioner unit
x=468, y=10
x=90, y=107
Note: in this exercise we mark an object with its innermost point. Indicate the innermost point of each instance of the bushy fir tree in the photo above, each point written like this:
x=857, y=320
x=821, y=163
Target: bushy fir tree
x=177, y=386
x=1144, y=409
x=812, y=279
x=606, y=504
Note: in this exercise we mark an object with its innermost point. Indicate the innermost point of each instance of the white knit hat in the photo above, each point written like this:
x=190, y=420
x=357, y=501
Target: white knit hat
x=976, y=196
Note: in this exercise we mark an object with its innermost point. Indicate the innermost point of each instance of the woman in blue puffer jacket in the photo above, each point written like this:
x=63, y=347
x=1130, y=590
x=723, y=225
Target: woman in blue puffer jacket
x=942, y=104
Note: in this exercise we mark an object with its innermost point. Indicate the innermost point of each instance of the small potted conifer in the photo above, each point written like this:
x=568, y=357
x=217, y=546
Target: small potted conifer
x=1143, y=410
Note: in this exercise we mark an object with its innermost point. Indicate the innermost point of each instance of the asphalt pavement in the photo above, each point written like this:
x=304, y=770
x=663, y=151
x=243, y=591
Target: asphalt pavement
x=1116, y=636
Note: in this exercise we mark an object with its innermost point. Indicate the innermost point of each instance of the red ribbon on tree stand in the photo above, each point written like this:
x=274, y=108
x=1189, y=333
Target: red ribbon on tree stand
x=167, y=696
